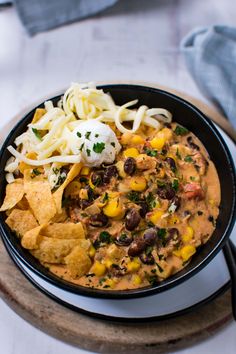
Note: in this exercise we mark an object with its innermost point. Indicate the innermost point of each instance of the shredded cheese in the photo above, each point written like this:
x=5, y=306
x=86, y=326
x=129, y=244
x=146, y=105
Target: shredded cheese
x=53, y=137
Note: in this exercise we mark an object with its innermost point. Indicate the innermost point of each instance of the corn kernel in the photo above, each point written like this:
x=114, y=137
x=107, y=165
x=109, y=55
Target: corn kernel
x=136, y=279
x=161, y=173
x=137, y=140
x=187, y=252
x=98, y=269
x=111, y=283
x=173, y=220
x=165, y=133
x=157, y=143
x=120, y=168
x=177, y=253
x=188, y=235
x=131, y=152
x=126, y=138
x=138, y=184
x=155, y=216
x=91, y=251
x=83, y=193
x=114, y=208
x=133, y=266
x=212, y=202
x=85, y=171
x=108, y=263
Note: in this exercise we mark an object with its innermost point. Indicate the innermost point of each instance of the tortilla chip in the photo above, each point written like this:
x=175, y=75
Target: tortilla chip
x=60, y=217
x=24, y=166
x=31, y=239
x=64, y=230
x=21, y=221
x=39, y=196
x=74, y=171
x=14, y=193
x=73, y=189
x=53, y=250
x=23, y=204
x=78, y=262
x=38, y=114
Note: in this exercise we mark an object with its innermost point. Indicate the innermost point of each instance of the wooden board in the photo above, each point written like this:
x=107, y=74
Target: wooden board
x=105, y=336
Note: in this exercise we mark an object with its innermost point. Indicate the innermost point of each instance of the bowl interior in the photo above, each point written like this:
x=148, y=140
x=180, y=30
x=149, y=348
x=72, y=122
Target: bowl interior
x=188, y=116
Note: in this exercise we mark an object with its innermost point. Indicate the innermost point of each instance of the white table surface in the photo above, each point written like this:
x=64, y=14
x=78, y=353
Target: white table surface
x=136, y=40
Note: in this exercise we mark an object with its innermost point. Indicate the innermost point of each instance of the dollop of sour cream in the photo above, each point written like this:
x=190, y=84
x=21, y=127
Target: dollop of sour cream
x=96, y=143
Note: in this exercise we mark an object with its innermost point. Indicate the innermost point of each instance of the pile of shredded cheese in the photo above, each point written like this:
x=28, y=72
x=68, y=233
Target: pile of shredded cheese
x=55, y=140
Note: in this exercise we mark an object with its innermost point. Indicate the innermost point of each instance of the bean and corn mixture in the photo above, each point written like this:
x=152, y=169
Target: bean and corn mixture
x=148, y=212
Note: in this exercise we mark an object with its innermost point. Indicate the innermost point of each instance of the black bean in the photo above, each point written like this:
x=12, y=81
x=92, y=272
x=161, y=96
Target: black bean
x=123, y=240
x=176, y=201
x=147, y=258
x=166, y=192
x=192, y=144
x=150, y=236
x=136, y=247
x=132, y=219
x=172, y=234
x=187, y=213
x=91, y=194
x=143, y=209
x=109, y=172
x=171, y=163
x=98, y=220
x=84, y=203
x=129, y=165
x=97, y=178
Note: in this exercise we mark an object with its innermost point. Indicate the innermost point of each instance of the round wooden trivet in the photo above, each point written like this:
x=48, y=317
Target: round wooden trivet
x=105, y=336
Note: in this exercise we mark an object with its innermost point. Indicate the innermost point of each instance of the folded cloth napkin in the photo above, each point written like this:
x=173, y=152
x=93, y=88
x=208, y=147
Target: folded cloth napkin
x=210, y=55
x=41, y=15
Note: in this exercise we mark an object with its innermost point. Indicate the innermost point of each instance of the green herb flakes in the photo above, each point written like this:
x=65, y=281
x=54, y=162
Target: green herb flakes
x=180, y=130
x=36, y=133
x=98, y=147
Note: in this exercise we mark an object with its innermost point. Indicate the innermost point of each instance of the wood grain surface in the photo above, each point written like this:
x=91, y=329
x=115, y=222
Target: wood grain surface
x=105, y=336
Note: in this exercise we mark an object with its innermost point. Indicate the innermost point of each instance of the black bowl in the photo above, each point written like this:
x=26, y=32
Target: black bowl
x=185, y=114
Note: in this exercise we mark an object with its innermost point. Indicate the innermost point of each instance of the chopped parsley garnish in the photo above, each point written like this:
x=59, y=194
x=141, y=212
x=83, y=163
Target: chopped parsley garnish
x=87, y=135
x=81, y=147
x=96, y=135
x=113, y=144
x=152, y=280
x=105, y=237
x=133, y=196
x=160, y=183
x=192, y=178
x=88, y=151
x=149, y=250
x=178, y=154
x=102, y=280
x=55, y=170
x=175, y=185
x=78, y=134
x=36, y=172
x=180, y=130
x=188, y=159
x=83, y=179
x=98, y=147
x=36, y=133
x=159, y=267
x=161, y=233
x=151, y=201
x=105, y=198
x=150, y=152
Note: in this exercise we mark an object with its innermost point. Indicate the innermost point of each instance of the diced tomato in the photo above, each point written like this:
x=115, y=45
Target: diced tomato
x=193, y=190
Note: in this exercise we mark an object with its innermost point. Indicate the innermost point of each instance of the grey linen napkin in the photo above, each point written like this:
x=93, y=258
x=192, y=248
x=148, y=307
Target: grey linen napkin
x=41, y=15
x=210, y=55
